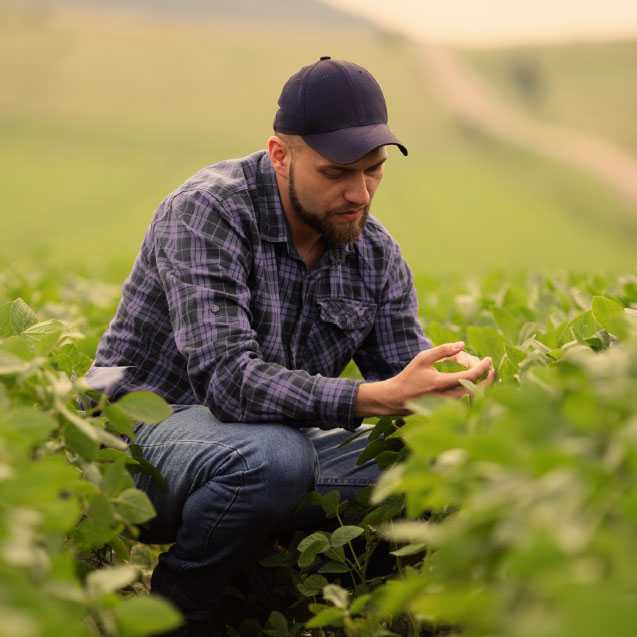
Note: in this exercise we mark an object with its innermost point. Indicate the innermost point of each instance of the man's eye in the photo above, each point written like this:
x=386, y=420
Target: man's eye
x=333, y=175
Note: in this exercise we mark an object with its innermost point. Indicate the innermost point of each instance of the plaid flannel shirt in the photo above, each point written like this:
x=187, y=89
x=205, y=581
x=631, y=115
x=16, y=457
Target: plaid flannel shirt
x=219, y=308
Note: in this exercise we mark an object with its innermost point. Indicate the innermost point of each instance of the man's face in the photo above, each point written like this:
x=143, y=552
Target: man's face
x=322, y=192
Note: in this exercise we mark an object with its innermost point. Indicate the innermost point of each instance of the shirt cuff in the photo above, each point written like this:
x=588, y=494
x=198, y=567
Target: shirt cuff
x=337, y=402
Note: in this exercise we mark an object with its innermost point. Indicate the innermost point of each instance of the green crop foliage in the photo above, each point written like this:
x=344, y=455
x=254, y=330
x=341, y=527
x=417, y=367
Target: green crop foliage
x=70, y=562
x=509, y=512
x=519, y=501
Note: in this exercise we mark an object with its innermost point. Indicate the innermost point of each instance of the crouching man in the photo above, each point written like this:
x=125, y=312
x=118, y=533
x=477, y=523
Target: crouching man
x=257, y=281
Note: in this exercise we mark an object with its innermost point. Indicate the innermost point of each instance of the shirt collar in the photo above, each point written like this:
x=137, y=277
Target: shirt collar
x=273, y=225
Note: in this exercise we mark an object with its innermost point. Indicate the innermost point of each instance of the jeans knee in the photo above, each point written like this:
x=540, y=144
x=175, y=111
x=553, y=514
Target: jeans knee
x=289, y=464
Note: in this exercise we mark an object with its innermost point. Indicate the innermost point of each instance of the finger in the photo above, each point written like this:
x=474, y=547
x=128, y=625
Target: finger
x=490, y=377
x=451, y=379
x=465, y=359
x=430, y=356
x=456, y=392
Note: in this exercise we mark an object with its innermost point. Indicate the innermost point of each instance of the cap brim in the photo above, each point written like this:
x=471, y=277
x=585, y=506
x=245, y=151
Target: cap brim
x=348, y=145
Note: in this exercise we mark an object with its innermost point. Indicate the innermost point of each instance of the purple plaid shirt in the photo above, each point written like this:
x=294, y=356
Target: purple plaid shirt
x=220, y=309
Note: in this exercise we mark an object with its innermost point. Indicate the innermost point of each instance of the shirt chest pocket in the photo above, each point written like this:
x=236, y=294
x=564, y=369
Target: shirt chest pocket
x=340, y=326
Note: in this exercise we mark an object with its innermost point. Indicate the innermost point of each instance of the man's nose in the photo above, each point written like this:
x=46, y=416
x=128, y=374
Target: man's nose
x=357, y=191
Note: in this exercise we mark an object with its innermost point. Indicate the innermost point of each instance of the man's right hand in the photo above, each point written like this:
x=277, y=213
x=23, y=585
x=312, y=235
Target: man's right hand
x=420, y=378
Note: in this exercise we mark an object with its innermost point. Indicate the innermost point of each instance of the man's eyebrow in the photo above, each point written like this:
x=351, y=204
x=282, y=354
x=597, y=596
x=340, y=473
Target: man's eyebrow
x=341, y=167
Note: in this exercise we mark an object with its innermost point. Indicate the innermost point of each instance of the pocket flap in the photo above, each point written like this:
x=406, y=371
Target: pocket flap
x=348, y=314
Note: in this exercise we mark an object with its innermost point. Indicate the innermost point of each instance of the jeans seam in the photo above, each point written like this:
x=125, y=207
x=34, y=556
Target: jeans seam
x=246, y=468
x=181, y=442
x=234, y=497
x=348, y=481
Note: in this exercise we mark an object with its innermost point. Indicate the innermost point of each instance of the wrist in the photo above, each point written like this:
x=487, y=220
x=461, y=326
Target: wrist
x=377, y=398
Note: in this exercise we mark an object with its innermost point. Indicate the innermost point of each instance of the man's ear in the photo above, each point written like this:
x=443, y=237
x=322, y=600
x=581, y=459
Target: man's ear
x=280, y=155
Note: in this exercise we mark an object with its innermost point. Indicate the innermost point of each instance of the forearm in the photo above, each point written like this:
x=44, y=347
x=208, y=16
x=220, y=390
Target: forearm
x=378, y=399
x=242, y=387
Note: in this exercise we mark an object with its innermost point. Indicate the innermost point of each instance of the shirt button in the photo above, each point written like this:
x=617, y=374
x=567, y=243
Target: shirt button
x=214, y=307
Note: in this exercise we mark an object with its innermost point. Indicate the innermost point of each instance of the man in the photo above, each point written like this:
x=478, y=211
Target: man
x=258, y=280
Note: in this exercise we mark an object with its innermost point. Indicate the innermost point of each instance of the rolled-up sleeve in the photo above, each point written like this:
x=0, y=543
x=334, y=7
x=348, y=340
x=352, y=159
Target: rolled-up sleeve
x=204, y=264
x=397, y=335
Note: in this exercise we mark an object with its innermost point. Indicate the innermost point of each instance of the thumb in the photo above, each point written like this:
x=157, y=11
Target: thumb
x=430, y=356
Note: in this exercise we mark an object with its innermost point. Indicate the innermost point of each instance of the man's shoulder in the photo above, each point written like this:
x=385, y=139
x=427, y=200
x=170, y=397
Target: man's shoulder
x=223, y=180
x=224, y=189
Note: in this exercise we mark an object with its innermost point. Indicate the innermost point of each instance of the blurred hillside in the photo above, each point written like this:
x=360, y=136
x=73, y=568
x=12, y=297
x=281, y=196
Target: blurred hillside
x=102, y=114
x=273, y=11
x=590, y=86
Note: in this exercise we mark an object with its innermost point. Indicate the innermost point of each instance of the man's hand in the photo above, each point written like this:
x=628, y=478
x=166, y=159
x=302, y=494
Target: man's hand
x=420, y=377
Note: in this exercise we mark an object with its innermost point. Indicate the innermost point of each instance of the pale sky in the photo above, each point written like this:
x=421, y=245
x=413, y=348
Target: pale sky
x=502, y=21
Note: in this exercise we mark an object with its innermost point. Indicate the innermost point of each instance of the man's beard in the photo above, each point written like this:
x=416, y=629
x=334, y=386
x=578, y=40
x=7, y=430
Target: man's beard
x=333, y=232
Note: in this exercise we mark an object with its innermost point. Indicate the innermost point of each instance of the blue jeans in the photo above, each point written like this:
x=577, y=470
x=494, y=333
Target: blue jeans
x=229, y=487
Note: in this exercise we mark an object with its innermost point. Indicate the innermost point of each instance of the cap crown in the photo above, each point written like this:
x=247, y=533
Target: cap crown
x=329, y=95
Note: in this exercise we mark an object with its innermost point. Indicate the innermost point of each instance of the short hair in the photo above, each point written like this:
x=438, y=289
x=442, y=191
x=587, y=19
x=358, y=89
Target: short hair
x=294, y=143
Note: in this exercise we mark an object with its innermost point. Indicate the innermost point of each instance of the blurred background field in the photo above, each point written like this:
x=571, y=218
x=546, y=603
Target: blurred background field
x=591, y=86
x=104, y=111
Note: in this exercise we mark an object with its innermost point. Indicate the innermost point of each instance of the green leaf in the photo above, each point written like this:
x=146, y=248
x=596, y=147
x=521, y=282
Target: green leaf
x=332, y=567
x=70, y=360
x=308, y=555
x=15, y=317
x=277, y=625
x=327, y=617
x=119, y=421
x=81, y=438
x=99, y=525
x=387, y=458
x=144, y=406
x=358, y=605
x=134, y=506
x=312, y=585
x=120, y=548
x=44, y=336
x=371, y=451
x=345, y=534
x=329, y=502
x=610, y=314
x=145, y=615
x=336, y=554
x=486, y=341
x=25, y=427
x=110, y=579
x=116, y=479
x=109, y=440
x=318, y=538
x=112, y=455
x=410, y=549
x=439, y=333
x=584, y=326
x=509, y=323
x=146, y=467
x=11, y=364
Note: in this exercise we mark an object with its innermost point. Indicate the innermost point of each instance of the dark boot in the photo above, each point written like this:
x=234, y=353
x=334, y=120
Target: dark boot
x=196, y=623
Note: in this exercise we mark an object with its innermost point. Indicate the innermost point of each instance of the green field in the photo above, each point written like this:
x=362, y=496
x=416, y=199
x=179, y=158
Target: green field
x=589, y=86
x=506, y=513
x=102, y=115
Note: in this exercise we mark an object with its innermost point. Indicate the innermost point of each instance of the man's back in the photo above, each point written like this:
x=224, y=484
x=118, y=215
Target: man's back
x=221, y=310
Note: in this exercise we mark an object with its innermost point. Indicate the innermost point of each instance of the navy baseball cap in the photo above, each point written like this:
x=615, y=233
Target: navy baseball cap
x=338, y=108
